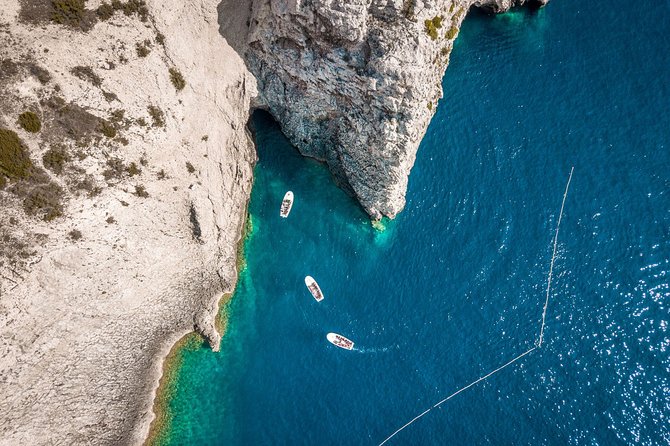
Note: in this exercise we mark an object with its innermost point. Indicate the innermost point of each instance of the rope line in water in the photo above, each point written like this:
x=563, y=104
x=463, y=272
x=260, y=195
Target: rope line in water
x=537, y=345
x=553, y=258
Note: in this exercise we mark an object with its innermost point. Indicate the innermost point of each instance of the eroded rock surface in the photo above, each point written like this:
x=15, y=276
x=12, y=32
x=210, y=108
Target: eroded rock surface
x=355, y=83
x=154, y=182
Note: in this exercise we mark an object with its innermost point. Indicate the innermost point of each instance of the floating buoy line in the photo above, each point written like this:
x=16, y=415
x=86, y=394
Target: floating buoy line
x=538, y=343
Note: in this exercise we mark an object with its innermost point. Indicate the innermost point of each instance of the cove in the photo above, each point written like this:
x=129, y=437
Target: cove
x=454, y=286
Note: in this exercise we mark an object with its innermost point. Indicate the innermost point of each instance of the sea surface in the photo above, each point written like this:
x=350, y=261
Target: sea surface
x=454, y=287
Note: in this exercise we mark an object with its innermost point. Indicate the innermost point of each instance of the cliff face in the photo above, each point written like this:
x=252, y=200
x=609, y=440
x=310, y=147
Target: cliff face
x=355, y=83
x=147, y=185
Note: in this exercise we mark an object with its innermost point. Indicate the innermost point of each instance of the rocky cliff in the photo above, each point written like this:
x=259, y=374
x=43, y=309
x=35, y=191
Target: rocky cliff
x=119, y=225
x=355, y=83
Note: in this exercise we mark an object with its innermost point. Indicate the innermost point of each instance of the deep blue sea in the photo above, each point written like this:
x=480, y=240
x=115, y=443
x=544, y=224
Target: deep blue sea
x=454, y=287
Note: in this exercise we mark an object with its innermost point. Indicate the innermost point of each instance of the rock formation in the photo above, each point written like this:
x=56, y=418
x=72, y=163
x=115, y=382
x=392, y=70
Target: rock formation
x=355, y=83
x=143, y=143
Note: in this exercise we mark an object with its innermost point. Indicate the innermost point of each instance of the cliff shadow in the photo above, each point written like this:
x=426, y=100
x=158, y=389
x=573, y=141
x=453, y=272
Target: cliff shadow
x=234, y=18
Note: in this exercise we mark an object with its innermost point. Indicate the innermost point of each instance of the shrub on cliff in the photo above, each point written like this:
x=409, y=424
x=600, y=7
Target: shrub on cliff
x=107, y=129
x=30, y=122
x=157, y=116
x=55, y=158
x=44, y=200
x=177, y=79
x=105, y=11
x=451, y=34
x=14, y=159
x=68, y=12
x=87, y=74
x=432, y=25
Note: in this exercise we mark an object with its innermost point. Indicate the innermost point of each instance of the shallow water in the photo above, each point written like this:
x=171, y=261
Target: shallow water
x=454, y=287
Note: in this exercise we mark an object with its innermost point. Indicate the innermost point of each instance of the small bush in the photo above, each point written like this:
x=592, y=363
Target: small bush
x=3, y=181
x=105, y=11
x=87, y=74
x=432, y=25
x=133, y=170
x=204, y=138
x=160, y=39
x=117, y=115
x=115, y=169
x=190, y=167
x=141, y=122
x=40, y=73
x=55, y=158
x=157, y=116
x=44, y=200
x=75, y=234
x=453, y=31
x=30, y=122
x=142, y=49
x=68, y=12
x=143, y=161
x=141, y=191
x=177, y=79
x=161, y=175
x=110, y=220
x=14, y=159
x=109, y=96
x=430, y=106
x=107, y=129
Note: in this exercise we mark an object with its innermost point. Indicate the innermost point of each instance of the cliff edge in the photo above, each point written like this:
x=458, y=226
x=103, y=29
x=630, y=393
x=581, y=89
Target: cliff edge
x=355, y=83
x=125, y=171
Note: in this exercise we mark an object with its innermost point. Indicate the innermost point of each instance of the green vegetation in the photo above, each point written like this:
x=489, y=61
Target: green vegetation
x=408, y=7
x=14, y=159
x=55, y=158
x=75, y=234
x=115, y=169
x=177, y=79
x=142, y=48
x=87, y=74
x=40, y=73
x=68, y=12
x=44, y=200
x=190, y=167
x=141, y=191
x=133, y=170
x=105, y=11
x=432, y=25
x=117, y=115
x=451, y=34
x=160, y=39
x=107, y=129
x=157, y=116
x=430, y=106
x=30, y=122
x=109, y=96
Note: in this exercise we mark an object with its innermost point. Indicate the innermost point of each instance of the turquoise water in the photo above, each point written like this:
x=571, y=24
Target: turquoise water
x=455, y=286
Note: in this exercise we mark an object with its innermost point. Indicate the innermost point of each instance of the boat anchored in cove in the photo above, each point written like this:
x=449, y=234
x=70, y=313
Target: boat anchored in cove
x=314, y=288
x=286, y=204
x=340, y=341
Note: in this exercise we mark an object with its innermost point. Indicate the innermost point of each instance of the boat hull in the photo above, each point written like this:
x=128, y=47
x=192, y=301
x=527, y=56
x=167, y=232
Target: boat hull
x=340, y=341
x=286, y=205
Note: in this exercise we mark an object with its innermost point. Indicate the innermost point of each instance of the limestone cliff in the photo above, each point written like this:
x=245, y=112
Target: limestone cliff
x=120, y=234
x=355, y=83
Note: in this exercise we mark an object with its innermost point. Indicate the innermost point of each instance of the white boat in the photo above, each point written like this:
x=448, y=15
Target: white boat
x=340, y=341
x=313, y=288
x=286, y=204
